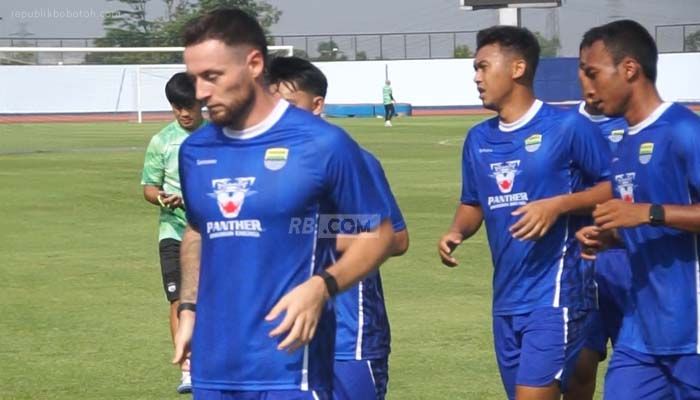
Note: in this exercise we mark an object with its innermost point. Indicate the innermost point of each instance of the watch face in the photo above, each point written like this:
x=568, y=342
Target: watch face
x=656, y=215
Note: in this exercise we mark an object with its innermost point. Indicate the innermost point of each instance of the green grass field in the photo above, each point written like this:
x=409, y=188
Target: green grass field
x=83, y=311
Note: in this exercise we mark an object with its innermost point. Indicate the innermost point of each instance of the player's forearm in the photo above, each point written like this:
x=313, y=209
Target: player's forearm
x=364, y=255
x=583, y=202
x=467, y=220
x=190, y=256
x=151, y=193
x=399, y=243
x=686, y=218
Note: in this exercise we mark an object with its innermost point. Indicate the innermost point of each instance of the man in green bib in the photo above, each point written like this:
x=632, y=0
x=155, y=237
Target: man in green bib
x=161, y=187
x=388, y=96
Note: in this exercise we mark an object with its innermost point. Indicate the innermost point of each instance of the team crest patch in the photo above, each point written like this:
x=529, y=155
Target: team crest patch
x=276, y=158
x=230, y=195
x=645, y=152
x=533, y=142
x=616, y=135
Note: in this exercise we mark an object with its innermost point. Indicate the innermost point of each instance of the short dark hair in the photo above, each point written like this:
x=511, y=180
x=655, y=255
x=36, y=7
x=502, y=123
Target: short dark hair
x=513, y=38
x=300, y=72
x=180, y=91
x=229, y=25
x=626, y=38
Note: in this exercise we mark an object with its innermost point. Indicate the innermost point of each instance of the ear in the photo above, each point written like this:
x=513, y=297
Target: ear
x=255, y=63
x=518, y=68
x=317, y=105
x=630, y=68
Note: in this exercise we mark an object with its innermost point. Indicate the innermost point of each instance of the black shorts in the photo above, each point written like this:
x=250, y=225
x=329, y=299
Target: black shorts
x=170, y=267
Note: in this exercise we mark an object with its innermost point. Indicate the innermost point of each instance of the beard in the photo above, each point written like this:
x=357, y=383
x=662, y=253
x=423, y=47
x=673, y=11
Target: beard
x=233, y=115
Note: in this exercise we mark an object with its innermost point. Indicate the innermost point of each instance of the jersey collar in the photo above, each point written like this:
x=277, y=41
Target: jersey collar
x=522, y=121
x=593, y=118
x=633, y=130
x=262, y=127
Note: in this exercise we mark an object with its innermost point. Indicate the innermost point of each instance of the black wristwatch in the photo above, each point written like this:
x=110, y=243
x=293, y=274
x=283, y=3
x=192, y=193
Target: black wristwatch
x=186, y=306
x=657, y=216
x=329, y=280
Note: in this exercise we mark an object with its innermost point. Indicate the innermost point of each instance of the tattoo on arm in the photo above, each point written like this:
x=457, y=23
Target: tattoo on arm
x=190, y=251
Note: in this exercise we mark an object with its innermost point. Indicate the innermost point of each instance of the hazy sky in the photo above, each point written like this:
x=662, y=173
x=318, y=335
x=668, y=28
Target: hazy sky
x=83, y=18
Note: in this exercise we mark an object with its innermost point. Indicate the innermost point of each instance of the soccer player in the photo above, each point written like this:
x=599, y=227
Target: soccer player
x=254, y=296
x=611, y=271
x=161, y=187
x=518, y=173
x=388, y=99
x=655, y=214
x=362, y=341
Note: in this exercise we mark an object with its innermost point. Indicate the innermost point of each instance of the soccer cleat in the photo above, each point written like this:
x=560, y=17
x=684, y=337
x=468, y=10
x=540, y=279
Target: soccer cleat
x=387, y=124
x=185, y=385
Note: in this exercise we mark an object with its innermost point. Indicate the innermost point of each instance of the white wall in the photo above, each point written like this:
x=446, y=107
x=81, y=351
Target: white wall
x=76, y=89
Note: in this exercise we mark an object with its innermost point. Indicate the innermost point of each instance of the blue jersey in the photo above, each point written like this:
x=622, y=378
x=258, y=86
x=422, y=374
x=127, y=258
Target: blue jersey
x=658, y=162
x=255, y=197
x=612, y=129
x=363, y=326
x=505, y=166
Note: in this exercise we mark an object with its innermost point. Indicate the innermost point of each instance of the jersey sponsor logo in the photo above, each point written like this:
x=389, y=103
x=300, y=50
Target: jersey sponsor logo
x=624, y=184
x=533, y=142
x=616, y=135
x=505, y=173
x=276, y=158
x=206, y=162
x=230, y=195
x=645, y=152
x=507, y=200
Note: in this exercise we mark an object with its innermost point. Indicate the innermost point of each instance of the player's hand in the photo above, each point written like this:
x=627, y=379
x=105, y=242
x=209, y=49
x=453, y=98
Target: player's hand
x=536, y=219
x=593, y=240
x=448, y=242
x=183, y=336
x=302, y=307
x=618, y=213
x=171, y=201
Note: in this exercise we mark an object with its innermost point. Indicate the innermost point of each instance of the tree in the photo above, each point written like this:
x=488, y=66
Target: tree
x=130, y=27
x=300, y=53
x=462, y=51
x=692, y=42
x=361, y=55
x=329, y=51
x=548, y=47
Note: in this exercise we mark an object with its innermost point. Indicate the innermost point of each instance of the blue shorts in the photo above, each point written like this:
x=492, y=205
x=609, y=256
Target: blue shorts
x=538, y=348
x=207, y=394
x=637, y=376
x=360, y=379
x=613, y=277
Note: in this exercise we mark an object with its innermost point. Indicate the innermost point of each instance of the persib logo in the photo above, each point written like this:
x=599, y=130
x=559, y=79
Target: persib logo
x=533, y=142
x=645, y=152
x=230, y=195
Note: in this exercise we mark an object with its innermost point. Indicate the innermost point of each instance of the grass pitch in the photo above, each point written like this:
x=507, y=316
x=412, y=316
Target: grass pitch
x=84, y=314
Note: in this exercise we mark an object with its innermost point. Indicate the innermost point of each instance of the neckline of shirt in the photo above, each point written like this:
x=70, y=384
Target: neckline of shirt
x=591, y=117
x=633, y=130
x=262, y=126
x=522, y=121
